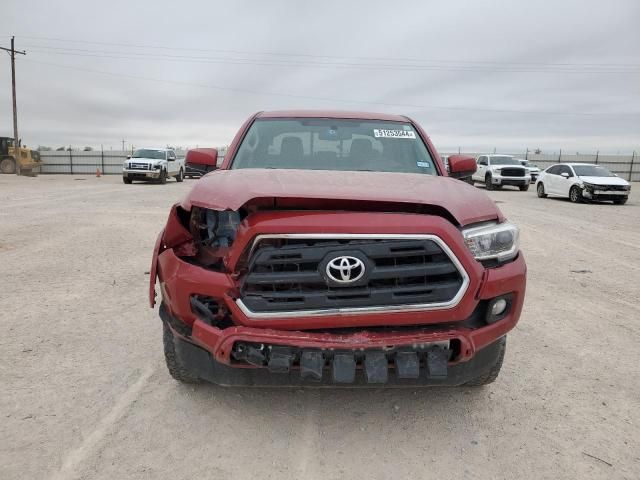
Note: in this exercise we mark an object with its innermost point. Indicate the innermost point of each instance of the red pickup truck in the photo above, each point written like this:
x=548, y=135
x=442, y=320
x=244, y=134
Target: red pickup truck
x=333, y=248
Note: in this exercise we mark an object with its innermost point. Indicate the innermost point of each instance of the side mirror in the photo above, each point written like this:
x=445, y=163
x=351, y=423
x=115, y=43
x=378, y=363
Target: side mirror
x=564, y=174
x=461, y=166
x=202, y=159
x=128, y=157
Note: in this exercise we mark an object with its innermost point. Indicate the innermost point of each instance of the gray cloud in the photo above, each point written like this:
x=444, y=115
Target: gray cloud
x=416, y=56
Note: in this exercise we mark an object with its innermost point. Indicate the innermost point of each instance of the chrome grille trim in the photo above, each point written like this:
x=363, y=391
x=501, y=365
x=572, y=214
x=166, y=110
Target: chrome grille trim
x=360, y=310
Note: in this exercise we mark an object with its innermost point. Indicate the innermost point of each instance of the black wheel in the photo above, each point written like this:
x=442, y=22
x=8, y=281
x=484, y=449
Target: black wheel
x=493, y=372
x=524, y=188
x=487, y=182
x=8, y=165
x=175, y=367
x=620, y=201
x=180, y=176
x=127, y=180
x=163, y=177
x=575, y=194
x=469, y=180
x=540, y=190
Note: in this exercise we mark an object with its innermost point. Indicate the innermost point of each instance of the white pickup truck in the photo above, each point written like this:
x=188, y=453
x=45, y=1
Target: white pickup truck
x=153, y=164
x=496, y=171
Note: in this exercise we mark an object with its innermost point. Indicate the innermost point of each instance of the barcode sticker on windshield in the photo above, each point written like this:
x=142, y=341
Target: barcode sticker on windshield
x=382, y=133
x=423, y=164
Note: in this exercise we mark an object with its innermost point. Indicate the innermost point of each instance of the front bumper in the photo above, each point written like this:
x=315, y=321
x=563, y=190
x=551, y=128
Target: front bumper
x=604, y=195
x=141, y=174
x=510, y=181
x=202, y=363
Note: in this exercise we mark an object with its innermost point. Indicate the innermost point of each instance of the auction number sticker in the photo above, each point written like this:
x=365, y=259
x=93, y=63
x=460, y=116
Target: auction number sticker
x=382, y=133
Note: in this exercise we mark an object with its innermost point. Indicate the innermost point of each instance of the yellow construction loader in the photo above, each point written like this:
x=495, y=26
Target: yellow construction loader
x=29, y=160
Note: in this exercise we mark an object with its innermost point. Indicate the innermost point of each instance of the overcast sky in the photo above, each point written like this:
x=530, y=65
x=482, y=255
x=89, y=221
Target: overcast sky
x=510, y=75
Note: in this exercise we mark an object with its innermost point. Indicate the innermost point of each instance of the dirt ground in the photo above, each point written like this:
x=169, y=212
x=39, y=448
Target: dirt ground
x=84, y=392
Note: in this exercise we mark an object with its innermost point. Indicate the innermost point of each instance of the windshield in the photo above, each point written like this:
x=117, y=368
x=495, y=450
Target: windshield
x=148, y=153
x=334, y=144
x=504, y=160
x=592, y=171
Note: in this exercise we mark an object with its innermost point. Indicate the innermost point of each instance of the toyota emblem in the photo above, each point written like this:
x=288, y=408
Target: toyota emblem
x=345, y=269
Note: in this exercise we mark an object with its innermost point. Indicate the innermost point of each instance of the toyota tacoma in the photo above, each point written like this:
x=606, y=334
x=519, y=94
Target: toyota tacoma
x=332, y=248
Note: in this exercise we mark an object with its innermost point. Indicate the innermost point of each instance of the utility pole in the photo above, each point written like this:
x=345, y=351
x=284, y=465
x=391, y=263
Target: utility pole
x=123, y=144
x=12, y=52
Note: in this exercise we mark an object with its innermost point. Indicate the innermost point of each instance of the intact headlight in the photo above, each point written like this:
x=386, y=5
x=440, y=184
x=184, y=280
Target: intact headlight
x=493, y=242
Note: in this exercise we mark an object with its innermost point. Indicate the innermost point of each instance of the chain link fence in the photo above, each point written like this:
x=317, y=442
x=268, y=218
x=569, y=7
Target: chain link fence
x=87, y=163
x=110, y=162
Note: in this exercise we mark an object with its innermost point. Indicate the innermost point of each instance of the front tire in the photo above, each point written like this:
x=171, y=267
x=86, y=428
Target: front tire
x=487, y=182
x=180, y=176
x=494, y=370
x=621, y=201
x=163, y=177
x=127, y=180
x=8, y=165
x=523, y=188
x=575, y=195
x=540, y=190
x=176, y=369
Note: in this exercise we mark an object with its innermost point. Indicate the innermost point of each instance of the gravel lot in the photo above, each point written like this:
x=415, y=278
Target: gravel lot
x=85, y=392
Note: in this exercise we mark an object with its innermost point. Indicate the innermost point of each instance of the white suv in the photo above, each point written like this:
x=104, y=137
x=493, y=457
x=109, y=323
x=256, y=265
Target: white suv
x=153, y=164
x=498, y=170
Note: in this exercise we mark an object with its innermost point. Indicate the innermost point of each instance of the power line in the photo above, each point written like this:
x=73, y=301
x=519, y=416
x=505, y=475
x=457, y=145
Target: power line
x=307, y=55
x=334, y=100
x=297, y=64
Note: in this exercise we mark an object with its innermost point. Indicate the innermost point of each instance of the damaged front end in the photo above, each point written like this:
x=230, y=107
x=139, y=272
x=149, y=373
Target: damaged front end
x=246, y=299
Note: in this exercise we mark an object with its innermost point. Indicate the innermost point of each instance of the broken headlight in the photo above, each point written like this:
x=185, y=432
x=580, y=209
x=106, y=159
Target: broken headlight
x=213, y=228
x=496, y=241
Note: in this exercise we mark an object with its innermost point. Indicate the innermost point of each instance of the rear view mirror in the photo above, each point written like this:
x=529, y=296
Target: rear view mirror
x=564, y=174
x=202, y=159
x=461, y=166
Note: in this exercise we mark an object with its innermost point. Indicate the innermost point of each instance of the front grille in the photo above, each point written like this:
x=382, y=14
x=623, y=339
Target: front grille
x=513, y=172
x=139, y=166
x=612, y=188
x=290, y=274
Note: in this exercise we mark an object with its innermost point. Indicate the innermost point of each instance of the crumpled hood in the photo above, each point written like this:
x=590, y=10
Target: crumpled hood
x=605, y=180
x=231, y=189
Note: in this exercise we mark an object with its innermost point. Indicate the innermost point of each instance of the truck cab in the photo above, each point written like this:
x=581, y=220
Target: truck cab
x=153, y=164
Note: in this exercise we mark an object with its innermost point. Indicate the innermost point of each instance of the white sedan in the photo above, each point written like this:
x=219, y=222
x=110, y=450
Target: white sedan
x=580, y=181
